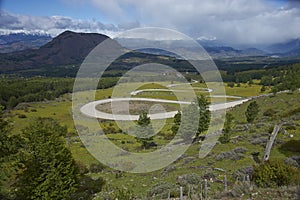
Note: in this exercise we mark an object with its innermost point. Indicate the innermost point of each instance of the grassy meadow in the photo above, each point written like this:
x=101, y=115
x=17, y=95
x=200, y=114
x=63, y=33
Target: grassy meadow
x=249, y=137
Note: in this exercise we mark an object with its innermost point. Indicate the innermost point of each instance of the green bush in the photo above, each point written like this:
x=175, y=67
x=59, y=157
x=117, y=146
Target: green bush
x=291, y=146
x=252, y=111
x=96, y=168
x=224, y=138
x=269, y=112
x=122, y=194
x=22, y=116
x=231, y=84
x=162, y=190
x=82, y=168
x=112, y=193
x=88, y=187
x=274, y=173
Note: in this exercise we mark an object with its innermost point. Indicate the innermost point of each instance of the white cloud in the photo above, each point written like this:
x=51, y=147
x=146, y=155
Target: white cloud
x=252, y=22
x=52, y=25
x=233, y=21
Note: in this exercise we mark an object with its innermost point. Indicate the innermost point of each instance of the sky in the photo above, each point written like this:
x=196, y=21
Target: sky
x=236, y=22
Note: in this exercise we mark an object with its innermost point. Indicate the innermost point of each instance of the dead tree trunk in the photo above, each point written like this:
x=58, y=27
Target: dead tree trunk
x=271, y=141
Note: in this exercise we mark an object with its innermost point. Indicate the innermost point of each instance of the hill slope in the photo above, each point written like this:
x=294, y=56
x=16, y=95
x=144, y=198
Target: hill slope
x=68, y=48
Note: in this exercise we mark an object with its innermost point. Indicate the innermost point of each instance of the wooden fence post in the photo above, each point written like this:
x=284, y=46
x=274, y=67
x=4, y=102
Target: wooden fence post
x=225, y=183
x=201, y=191
x=181, y=193
x=248, y=178
x=205, y=188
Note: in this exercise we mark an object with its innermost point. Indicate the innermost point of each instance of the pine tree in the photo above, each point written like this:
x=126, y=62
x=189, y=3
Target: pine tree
x=144, y=130
x=199, y=107
x=12, y=102
x=228, y=125
x=252, y=111
x=204, y=115
x=189, y=126
x=177, y=121
x=49, y=169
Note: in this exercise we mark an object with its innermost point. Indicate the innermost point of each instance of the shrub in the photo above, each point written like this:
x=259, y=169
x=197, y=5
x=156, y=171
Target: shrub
x=88, y=187
x=270, y=129
x=291, y=112
x=188, y=160
x=252, y=111
x=240, y=189
x=224, y=138
x=243, y=172
x=208, y=176
x=241, y=150
x=96, y=168
x=274, y=173
x=292, y=146
x=122, y=194
x=296, y=158
x=269, y=112
x=224, y=155
x=22, y=116
x=82, y=168
x=291, y=162
x=231, y=84
x=259, y=141
x=189, y=179
x=290, y=127
x=162, y=190
x=169, y=169
x=235, y=154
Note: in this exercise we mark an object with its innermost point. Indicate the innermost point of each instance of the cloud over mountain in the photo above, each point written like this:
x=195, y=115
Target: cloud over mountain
x=52, y=25
x=236, y=22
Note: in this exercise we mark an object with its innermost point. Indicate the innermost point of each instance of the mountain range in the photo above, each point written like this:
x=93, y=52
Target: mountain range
x=70, y=48
x=21, y=41
x=291, y=48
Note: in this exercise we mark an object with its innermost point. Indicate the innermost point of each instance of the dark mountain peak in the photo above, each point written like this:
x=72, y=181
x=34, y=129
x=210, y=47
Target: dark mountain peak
x=69, y=38
x=67, y=32
x=68, y=48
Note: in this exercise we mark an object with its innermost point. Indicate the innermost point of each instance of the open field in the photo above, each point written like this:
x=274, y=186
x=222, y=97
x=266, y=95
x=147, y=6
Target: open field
x=135, y=107
x=244, y=135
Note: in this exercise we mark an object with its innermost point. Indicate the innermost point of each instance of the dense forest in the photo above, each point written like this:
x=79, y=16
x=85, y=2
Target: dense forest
x=17, y=90
x=283, y=77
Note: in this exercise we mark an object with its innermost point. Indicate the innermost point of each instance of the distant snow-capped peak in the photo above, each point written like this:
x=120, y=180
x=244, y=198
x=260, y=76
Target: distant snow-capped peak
x=25, y=32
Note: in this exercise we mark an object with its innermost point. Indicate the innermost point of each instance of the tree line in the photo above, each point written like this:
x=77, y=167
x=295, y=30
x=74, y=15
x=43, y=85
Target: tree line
x=17, y=90
x=279, y=78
